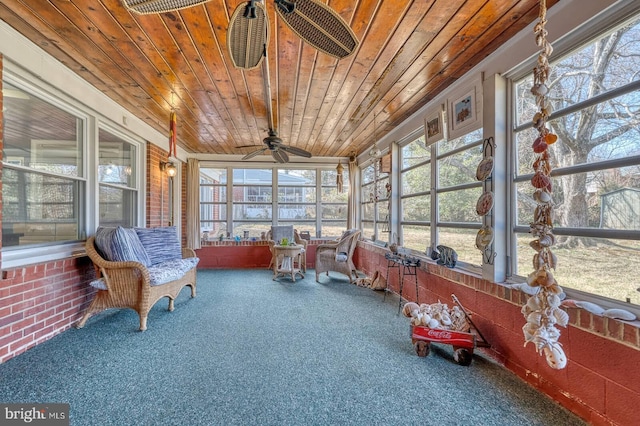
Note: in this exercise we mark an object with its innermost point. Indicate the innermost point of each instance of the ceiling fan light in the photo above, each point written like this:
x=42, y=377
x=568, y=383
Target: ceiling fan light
x=144, y=7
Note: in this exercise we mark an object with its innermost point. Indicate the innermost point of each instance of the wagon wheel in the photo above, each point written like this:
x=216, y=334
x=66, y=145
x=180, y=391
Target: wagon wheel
x=422, y=348
x=462, y=356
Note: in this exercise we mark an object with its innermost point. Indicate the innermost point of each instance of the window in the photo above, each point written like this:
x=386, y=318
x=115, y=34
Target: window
x=415, y=175
x=252, y=201
x=118, y=194
x=375, y=202
x=300, y=195
x=595, y=99
x=213, y=201
x=333, y=203
x=457, y=193
x=297, y=198
x=43, y=180
x=60, y=180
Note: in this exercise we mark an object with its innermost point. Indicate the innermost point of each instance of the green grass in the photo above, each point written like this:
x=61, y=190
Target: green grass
x=606, y=269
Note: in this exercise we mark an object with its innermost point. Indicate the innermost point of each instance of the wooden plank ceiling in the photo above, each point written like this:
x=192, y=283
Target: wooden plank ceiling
x=410, y=50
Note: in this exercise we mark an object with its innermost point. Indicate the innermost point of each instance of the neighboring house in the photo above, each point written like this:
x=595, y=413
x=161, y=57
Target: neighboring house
x=621, y=209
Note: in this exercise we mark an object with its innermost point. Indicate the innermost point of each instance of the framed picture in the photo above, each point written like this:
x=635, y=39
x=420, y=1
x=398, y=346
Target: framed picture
x=464, y=111
x=434, y=126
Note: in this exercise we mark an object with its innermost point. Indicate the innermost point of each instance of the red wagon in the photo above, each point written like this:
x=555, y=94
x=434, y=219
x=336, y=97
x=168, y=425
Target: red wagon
x=463, y=343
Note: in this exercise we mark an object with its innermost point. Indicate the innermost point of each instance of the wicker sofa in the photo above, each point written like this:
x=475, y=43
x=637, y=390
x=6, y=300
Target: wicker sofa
x=135, y=268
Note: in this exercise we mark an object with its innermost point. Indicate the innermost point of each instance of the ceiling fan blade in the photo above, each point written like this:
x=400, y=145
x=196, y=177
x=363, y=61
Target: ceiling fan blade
x=320, y=26
x=280, y=156
x=249, y=146
x=247, y=35
x=295, y=151
x=254, y=153
x=144, y=7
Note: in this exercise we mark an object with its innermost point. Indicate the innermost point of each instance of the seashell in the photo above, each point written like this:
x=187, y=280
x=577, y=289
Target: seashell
x=540, y=180
x=535, y=244
x=619, y=314
x=553, y=300
x=539, y=89
x=416, y=321
x=550, y=138
x=532, y=279
x=425, y=319
x=534, y=318
x=539, y=145
x=555, y=356
x=562, y=318
x=555, y=289
x=541, y=196
x=548, y=240
x=534, y=303
x=526, y=288
x=446, y=320
x=569, y=303
x=529, y=331
x=408, y=308
x=433, y=323
x=590, y=307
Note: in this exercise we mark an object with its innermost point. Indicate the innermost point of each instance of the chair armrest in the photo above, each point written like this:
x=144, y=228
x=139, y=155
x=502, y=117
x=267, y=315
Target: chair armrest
x=188, y=252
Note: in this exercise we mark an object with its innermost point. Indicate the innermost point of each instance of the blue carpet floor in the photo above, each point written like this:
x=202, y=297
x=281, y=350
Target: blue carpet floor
x=252, y=351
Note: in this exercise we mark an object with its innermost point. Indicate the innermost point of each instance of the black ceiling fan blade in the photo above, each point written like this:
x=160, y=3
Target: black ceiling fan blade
x=247, y=35
x=254, y=153
x=320, y=26
x=295, y=151
x=249, y=146
x=280, y=156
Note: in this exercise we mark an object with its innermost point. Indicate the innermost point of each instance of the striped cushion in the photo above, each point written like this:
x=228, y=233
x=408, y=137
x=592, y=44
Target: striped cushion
x=121, y=245
x=161, y=244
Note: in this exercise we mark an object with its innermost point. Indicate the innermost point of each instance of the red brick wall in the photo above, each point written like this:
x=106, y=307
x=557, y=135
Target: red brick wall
x=601, y=382
x=157, y=191
x=39, y=301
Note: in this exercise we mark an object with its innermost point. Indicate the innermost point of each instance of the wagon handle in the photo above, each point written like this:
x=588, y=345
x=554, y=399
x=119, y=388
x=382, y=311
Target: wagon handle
x=468, y=316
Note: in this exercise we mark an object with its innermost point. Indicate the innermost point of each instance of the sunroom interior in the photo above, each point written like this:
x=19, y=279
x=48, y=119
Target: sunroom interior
x=424, y=136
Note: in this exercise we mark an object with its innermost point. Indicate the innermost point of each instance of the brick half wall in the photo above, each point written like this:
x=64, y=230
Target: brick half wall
x=601, y=382
x=40, y=301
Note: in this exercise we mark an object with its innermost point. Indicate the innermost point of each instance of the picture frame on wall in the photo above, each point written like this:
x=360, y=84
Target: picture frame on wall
x=464, y=111
x=434, y=126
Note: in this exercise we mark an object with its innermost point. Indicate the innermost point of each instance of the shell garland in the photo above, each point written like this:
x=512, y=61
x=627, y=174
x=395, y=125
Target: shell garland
x=437, y=315
x=542, y=310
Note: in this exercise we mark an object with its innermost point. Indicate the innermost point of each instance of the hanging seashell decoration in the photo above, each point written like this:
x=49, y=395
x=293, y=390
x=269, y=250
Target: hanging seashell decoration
x=542, y=310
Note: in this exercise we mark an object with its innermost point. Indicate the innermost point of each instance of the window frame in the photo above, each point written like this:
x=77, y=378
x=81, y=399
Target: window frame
x=17, y=256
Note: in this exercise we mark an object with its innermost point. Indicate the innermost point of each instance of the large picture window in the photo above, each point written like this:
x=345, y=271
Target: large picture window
x=43, y=180
x=595, y=99
x=301, y=199
x=61, y=180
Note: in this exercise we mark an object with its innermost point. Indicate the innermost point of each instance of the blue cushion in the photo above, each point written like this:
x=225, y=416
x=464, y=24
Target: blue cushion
x=171, y=270
x=161, y=243
x=121, y=245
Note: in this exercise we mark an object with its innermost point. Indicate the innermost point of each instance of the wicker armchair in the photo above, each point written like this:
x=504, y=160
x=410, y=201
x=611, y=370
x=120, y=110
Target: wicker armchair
x=298, y=240
x=338, y=256
x=128, y=286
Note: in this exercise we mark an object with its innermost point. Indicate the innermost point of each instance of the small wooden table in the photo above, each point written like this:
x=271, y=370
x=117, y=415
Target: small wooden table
x=287, y=261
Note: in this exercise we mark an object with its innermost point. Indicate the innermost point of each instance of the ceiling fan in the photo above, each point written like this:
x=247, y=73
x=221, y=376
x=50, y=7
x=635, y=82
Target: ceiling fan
x=278, y=149
x=247, y=39
x=314, y=22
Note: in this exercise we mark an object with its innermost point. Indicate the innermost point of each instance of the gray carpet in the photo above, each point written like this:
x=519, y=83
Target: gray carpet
x=252, y=351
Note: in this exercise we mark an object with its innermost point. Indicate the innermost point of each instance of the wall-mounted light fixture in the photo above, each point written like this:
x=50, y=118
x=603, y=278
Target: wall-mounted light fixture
x=169, y=168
